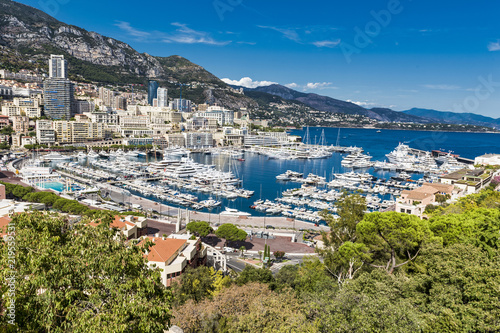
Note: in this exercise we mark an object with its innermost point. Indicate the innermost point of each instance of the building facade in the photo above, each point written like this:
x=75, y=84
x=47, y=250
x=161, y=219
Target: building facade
x=58, y=98
x=45, y=133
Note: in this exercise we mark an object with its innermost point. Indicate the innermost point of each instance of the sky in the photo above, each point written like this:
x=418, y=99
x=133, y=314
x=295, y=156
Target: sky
x=400, y=54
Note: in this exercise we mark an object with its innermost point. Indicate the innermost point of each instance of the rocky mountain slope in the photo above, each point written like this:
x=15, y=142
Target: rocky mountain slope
x=28, y=36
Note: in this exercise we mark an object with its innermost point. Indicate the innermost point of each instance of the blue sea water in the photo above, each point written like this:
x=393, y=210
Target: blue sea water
x=259, y=173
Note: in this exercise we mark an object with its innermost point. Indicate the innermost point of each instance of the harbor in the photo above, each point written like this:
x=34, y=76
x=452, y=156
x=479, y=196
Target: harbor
x=291, y=183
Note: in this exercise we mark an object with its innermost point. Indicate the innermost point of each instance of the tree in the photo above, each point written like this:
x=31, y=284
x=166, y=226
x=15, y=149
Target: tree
x=79, y=277
x=242, y=250
x=279, y=255
x=7, y=130
x=249, y=308
x=195, y=284
x=230, y=232
x=252, y=274
x=391, y=236
x=350, y=210
x=344, y=258
x=201, y=228
x=441, y=198
x=479, y=227
x=457, y=289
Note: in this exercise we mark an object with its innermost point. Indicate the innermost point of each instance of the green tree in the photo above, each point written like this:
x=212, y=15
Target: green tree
x=7, y=130
x=201, y=228
x=81, y=278
x=195, y=284
x=252, y=274
x=342, y=256
x=392, y=239
x=279, y=255
x=230, y=232
x=479, y=227
x=457, y=289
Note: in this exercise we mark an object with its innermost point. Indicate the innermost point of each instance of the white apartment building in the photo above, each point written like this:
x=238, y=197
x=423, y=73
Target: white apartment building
x=162, y=97
x=223, y=116
x=22, y=107
x=45, y=133
x=126, y=121
x=103, y=117
x=198, y=140
x=68, y=132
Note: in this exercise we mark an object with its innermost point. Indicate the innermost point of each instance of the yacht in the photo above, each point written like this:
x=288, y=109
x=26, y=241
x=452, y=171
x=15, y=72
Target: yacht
x=133, y=153
x=55, y=157
x=401, y=154
x=176, y=152
x=234, y=212
x=81, y=156
x=161, y=165
x=103, y=154
x=92, y=155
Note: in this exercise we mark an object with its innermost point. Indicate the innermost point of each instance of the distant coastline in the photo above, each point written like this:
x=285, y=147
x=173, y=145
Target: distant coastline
x=406, y=129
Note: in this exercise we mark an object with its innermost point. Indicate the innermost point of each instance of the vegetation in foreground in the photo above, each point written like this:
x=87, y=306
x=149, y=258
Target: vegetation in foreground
x=382, y=272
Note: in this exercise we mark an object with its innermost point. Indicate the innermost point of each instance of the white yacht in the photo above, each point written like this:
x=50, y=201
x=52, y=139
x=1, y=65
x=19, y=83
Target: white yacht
x=400, y=155
x=55, y=157
x=92, y=155
x=234, y=212
x=81, y=156
x=161, y=165
x=103, y=154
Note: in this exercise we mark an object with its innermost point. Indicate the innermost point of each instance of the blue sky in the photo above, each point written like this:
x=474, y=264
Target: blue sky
x=400, y=54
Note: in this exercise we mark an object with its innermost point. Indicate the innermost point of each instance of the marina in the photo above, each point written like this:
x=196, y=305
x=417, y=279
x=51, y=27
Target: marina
x=259, y=181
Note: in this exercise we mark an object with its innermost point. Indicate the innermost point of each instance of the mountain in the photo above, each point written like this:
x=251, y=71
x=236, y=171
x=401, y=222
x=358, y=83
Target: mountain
x=329, y=104
x=28, y=36
x=454, y=117
x=31, y=32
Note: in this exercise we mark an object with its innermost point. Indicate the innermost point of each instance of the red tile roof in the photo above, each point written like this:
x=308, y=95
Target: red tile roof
x=4, y=222
x=163, y=249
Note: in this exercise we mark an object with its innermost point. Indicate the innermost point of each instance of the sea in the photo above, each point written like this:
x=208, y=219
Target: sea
x=258, y=173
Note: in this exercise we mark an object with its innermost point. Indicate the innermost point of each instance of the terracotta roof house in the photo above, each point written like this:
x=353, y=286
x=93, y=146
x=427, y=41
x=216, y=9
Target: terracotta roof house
x=173, y=256
x=414, y=201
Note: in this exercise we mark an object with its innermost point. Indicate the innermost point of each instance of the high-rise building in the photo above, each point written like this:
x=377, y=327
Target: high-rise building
x=58, y=67
x=58, y=90
x=58, y=98
x=183, y=105
x=162, y=97
x=152, y=91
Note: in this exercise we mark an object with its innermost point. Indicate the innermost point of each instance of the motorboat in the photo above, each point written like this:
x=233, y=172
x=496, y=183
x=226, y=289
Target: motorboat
x=234, y=212
x=55, y=157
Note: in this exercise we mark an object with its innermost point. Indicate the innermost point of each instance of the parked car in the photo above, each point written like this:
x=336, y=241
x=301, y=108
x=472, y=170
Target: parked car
x=229, y=249
x=270, y=227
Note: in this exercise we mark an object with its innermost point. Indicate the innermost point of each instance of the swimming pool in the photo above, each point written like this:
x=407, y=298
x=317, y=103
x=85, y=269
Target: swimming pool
x=56, y=186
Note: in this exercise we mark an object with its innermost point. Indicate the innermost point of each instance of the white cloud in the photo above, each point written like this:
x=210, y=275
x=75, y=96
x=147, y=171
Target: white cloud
x=182, y=35
x=292, y=85
x=441, y=86
x=327, y=43
x=494, y=46
x=319, y=85
x=125, y=26
x=286, y=32
x=361, y=103
x=248, y=82
x=186, y=35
